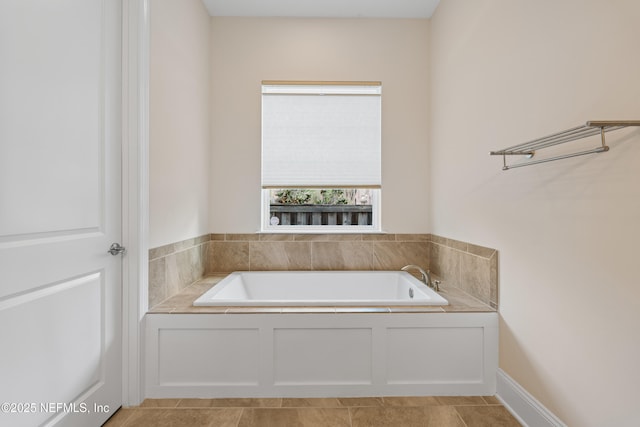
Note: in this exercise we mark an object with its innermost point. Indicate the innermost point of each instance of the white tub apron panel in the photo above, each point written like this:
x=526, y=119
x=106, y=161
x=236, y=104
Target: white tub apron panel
x=320, y=355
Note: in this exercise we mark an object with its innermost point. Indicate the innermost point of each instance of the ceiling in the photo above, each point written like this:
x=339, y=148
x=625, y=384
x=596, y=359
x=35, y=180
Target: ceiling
x=323, y=8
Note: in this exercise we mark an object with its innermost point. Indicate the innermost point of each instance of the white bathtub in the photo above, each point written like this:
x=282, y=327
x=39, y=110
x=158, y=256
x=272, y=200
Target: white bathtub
x=320, y=288
x=347, y=352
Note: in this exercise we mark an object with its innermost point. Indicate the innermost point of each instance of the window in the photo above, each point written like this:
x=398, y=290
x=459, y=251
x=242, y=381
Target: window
x=321, y=156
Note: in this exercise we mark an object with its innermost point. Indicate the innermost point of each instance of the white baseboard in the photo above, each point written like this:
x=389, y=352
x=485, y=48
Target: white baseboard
x=527, y=410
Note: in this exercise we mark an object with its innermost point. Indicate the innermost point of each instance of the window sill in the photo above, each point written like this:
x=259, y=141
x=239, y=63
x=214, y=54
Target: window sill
x=299, y=230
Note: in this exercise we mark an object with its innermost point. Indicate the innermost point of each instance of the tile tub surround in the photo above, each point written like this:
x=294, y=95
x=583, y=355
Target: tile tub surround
x=175, y=266
x=459, y=411
x=469, y=267
x=246, y=252
x=472, y=268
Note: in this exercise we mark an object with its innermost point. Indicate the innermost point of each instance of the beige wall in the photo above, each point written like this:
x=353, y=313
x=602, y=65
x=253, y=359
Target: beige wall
x=504, y=72
x=178, y=121
x=246, y=51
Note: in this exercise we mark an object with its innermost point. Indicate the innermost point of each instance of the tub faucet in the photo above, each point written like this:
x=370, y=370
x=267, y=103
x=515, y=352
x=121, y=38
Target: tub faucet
x=426, y=275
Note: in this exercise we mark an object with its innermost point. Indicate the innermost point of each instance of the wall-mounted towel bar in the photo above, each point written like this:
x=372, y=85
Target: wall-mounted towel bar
x=591, y=128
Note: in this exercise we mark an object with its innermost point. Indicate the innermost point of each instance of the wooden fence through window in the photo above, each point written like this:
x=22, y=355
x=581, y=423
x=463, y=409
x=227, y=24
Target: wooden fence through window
x=322, y=214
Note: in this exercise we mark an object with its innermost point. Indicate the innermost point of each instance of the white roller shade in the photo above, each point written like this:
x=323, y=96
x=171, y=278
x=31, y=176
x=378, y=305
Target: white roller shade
x=321, y=136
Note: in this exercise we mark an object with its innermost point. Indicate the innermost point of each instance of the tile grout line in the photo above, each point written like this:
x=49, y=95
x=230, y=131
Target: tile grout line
x=238, y=420
x=373, y=255
x=455, y=408
x=466, y=251
x=175, y=250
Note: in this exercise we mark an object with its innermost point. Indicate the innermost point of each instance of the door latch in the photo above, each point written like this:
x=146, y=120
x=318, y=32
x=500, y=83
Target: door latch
x=116, y=249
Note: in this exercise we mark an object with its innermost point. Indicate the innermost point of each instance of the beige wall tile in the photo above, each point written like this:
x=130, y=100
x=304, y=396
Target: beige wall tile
x=342, y=256
x=174, y=266
x=457, y=244
x=378, y=237
x=227, y=256
x=196, y=259
x=475, y=276
x=203, y=239
x=413, y=237
x=493, y=280
x=277, y=237
x=445, y=262
x=480, y=251
x=438, y=239
x=182, y=245
x=157, y=282
x=471, y=267
x=280, y=255
x=242, y=237
x=174, y=276
x=460, y=301
x=184, y=268
x=328, y=237
x=395, y=255
x=160, y=252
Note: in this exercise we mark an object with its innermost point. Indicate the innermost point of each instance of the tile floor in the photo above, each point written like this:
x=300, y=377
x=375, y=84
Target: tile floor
x=472, y=411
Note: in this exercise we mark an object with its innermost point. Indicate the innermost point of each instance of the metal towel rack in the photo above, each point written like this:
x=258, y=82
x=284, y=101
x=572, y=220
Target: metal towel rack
x=591, y=128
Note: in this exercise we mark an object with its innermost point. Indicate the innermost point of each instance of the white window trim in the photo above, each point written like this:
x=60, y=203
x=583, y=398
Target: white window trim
x=323, y=88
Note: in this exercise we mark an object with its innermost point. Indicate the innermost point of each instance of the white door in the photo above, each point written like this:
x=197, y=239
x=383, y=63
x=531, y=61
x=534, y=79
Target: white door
x=60, y=210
